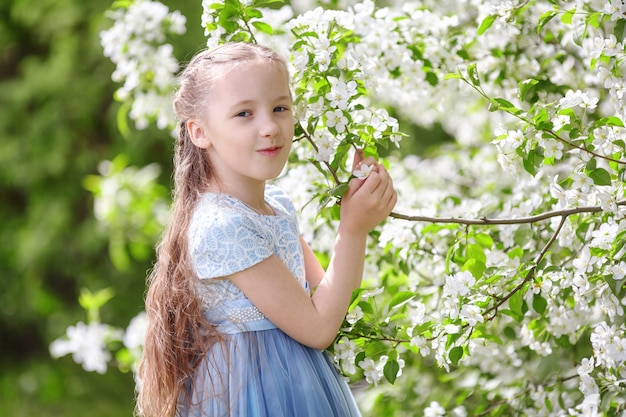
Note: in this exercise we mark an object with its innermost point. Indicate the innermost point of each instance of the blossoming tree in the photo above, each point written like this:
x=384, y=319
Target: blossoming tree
x=497, y=286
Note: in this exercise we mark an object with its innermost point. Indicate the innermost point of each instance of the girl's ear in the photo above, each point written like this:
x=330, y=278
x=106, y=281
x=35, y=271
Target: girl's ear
x=197, y=134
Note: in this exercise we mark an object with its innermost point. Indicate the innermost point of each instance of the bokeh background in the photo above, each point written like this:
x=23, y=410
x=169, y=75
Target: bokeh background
x=57, y=122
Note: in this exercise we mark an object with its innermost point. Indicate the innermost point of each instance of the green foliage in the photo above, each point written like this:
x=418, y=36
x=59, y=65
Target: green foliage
x=58, y=121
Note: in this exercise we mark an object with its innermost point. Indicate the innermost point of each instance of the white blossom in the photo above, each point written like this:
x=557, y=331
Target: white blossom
x=372, y=370
x=87, y=344
x=434, y=409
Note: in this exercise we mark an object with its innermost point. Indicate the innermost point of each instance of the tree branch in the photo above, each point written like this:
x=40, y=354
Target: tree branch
x=529, y=276
x=520, y=220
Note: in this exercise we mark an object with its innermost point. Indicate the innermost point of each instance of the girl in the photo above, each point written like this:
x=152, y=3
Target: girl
x=233, y=329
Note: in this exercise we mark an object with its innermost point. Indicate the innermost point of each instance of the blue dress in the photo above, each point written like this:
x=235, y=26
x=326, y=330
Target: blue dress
x=258, y=371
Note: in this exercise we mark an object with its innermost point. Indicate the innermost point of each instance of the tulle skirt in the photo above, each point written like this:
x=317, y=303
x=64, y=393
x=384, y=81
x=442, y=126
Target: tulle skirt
x=267, y=374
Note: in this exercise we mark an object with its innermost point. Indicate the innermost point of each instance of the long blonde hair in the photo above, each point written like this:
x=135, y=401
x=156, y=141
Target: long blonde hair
x=178, y=334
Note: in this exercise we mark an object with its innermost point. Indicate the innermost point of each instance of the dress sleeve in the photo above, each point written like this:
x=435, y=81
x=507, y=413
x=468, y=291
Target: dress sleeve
x=225, y=242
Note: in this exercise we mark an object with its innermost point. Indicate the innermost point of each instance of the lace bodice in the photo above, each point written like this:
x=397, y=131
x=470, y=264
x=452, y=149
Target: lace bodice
x=227, y=236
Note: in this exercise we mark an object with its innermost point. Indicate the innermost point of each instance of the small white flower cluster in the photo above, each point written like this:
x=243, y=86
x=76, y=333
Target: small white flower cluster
x=340, y=103
x=144, y=62
x=87, y=344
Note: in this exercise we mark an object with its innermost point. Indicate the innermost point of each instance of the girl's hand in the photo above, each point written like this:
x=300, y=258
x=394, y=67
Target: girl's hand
x=367, y=202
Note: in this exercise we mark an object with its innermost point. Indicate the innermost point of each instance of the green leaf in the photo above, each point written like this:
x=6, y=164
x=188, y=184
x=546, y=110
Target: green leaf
x=596, y=19
x=545, y=18
x=122, y=118
x=400, y=298
x=527, y=88
x=475, y=251
x=251, y=13
x=452, y=76
x=510, y=332
x=539, y=304
x=619, y=29
x=504, y=104
x=391, y=370
x=516, y=302
x=366, y=307
x=563, y=342
x=263, y=27
x=532, y=161
x=484, y=239
x=267, y=3
x=432, y=79
x=609, y=121
x=486, y=24
x=456, y=353
x=92, y=302
x=476, y=267
x=600, y=176
x=339, y=190
x=472, y=73
x=568, y=16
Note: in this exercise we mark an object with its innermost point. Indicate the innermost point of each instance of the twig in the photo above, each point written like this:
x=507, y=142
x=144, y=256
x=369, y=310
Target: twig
x=520, y=220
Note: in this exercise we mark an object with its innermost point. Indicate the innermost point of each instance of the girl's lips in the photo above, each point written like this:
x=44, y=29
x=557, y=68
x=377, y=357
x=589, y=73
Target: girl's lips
x=273, y=151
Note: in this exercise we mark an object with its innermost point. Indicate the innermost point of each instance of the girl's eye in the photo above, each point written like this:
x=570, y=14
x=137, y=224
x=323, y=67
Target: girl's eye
x=244, y=113
x=280, y=109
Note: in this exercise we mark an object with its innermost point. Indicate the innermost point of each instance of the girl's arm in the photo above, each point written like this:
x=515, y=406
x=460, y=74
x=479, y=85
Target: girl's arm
x=314, y=321
x=313, y=270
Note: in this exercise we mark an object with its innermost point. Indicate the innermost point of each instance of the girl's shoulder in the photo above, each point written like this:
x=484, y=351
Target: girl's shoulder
x=279, y=200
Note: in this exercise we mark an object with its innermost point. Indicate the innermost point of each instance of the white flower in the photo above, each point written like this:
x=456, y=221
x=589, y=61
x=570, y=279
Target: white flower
x=604, y=236
x=571, y=99
x=422, y=344
x=135, y=335
x=560, y=121
x=586, y=366
x=87, y=344
x=471, y=314
x=615, y=8
x=434, y=410
x=458, y=284
x=373, y=371
x=611, y=46
x=340, y=93
x=325, y=147
x=582, y=182
x=578, y=98
x=589, y=102
x=363, y=171
x=417, y=313
x=355, y=315
x=373, y=292
x=345, y=352
x=452, y=329
x=552, y=148
x=619, y=271
x=144, y=63
x=584, y=262
x=336, y=118
x=323, y=52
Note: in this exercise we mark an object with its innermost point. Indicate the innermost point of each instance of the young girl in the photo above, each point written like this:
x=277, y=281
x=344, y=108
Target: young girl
x=233, y=329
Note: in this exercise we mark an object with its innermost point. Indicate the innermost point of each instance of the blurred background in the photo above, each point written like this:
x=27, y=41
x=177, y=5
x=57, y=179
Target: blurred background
x=57, y=122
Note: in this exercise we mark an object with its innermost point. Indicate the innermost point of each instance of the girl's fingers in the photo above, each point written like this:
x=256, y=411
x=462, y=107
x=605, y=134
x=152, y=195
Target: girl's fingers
x=358, y=158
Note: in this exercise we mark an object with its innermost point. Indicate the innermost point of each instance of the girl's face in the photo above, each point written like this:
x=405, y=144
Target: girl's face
x=248, y=126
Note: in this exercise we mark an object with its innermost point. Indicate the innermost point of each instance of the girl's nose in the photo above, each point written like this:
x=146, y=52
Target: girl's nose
x=269, y=127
